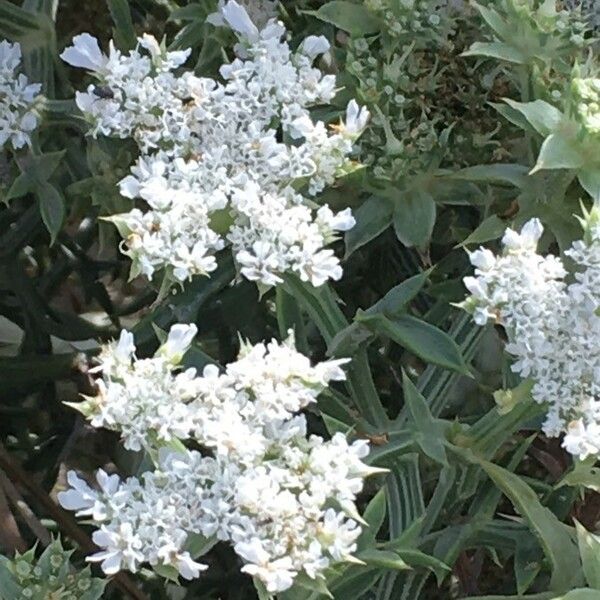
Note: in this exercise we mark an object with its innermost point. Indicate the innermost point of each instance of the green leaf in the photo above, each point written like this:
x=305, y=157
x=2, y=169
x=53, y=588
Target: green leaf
x=541, y=115
x=372, y=218
x=198, y=545
x=497, y=50
x=430, y=432
x=406, y=505
x=23, y=184
x=527, y=564
x=513, y=174
x=414, y=218
x=580, y=594
x=590, y=182
x=374, y=515
x=348, y=340
x=335, y=425
x=9, y=587
x=494, y=20
x=52, y=208
x=124, y=33
x=192, y=12
x=542, y=596
x=554, y=537
x=290, y=317
x=167, y=572
x=409, y=538
x=261, y=590
x=583, y=474
x=416, y=558
x=16, y=23
x=589, y=550
x=489, y=229
x=395, y=301
x=557, y=152
x=314, y=585
x=423, y=339
x=355, y=582
x=190, y=36
x=356, y=19
x=95, y=591
x=321, y=305
x=41, y=166
x=383, y=558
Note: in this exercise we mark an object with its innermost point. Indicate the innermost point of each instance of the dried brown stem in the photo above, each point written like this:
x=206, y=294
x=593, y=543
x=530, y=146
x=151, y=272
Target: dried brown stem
x=40, y=532
x=10, y=536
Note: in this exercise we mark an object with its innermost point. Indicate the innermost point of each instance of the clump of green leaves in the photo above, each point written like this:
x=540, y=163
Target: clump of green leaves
x=420, y=95
x=49, y=577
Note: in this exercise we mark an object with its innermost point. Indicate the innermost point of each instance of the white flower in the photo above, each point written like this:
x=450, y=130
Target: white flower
x=18, y=99
x=259, y=12
x=85, y=53
x=356, y=119
x=178, y=342
x=80, y=497
x=121, y=549
x=552, y=327
x=10, y=57
x=483, y=259
x=526, y=240
x=188, y=568
x=212, y=168
x=314, y=45
x=260, y=484
x=237, y=18
x=125, y=347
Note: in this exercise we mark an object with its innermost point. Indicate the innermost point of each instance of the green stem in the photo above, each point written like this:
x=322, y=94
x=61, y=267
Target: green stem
x=321, y=306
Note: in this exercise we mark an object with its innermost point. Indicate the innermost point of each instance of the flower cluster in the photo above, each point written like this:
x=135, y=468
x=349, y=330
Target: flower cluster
x=420, y=20
x=284, y=501
x=18, y=99
x=224, y=161
x=552, y=326
x=586, y=92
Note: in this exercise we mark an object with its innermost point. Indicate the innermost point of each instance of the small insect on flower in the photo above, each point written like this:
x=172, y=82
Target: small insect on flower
x=104, y=92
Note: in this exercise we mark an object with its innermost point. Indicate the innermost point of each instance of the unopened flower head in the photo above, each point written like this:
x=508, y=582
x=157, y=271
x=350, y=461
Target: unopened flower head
x=586, y=93
x=284, y=501
x=19, y=99
x=241, y=152
x=552, y=326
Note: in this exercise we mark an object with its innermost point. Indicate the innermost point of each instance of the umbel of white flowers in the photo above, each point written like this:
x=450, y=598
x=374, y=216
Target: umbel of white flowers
x=553, y=327
x=18, y=99
x=224, y=161
x=284, y=501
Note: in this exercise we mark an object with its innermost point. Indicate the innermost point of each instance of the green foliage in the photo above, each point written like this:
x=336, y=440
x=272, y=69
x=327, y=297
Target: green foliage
x=49, y=576
x=481, y=118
